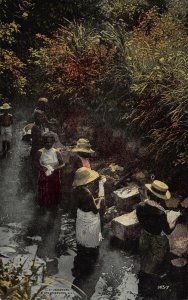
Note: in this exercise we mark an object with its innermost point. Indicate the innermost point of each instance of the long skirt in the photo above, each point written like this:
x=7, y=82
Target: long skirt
x=154, y=252
x=88, y=229
x=49, y=189
x=6, y=133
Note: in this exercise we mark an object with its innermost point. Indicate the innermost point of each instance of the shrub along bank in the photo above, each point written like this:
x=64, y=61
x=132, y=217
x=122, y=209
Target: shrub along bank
x=128, y=64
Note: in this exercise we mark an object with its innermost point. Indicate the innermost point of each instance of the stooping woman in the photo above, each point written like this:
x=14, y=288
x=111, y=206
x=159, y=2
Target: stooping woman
x=49, y=162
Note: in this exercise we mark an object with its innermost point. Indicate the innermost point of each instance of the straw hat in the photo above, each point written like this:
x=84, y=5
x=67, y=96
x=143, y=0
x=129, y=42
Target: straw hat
x=84, y=176
x=83, y=145
x=43, y=99
x=159, y=189
x=5, y=106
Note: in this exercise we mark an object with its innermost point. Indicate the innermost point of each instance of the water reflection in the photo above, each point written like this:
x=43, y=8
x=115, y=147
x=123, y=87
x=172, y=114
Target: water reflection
x=84, y=265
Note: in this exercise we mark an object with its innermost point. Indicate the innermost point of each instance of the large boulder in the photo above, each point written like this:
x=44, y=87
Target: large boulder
x=178, y=240
x=126, y=226
x=127, y=197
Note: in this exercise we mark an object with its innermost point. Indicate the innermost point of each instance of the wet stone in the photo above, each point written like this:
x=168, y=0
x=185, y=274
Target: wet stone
x=110, y=214
x=127, y=198
x=126, y=226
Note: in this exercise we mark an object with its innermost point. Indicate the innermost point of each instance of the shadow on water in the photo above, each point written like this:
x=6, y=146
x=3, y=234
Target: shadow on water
x=45, y=224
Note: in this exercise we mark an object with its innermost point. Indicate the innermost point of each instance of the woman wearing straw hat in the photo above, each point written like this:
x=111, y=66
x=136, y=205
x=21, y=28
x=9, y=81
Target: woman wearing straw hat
x=37, y=131
x=6, y=122
x=88, y=225
x=80, y=157
x=83, y=151
x=154, y=245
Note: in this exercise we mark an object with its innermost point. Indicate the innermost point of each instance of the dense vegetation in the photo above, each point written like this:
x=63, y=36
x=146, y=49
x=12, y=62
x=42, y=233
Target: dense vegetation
x=127, y=59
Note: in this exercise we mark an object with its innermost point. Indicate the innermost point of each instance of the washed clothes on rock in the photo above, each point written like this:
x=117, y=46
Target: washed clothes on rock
x=49, y=184
x=88, y=225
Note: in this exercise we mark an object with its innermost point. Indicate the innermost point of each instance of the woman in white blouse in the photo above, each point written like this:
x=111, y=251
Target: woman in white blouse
x=49, y=162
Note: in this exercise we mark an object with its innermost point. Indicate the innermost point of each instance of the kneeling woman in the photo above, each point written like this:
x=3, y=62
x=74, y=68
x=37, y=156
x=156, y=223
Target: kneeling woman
x=88, y=225
x=49, y=162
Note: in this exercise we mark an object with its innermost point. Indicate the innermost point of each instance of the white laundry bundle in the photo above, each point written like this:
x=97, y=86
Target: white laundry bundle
x=49, y=170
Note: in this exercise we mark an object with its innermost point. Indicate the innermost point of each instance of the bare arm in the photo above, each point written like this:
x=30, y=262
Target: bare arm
x=98, y=202
x=37, y=161
x=94, y=207
x=11, y=119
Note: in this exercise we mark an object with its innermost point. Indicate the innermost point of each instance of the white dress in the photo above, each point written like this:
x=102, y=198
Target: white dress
x=49, y=160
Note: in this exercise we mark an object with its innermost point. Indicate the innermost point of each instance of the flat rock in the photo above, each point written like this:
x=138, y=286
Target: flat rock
x=178, y=240
x=126, y=226
x=7, y=251
x=179, y=262
x=127, y=197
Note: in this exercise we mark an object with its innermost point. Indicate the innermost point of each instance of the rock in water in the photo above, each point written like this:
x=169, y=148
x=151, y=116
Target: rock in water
x=110, y=214
x=126, y=226
x=127, y=198
x=7, y=251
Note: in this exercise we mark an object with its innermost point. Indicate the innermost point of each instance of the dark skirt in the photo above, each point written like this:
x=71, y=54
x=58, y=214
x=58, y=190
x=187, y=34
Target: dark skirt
x=49, y=189
x=154, y=252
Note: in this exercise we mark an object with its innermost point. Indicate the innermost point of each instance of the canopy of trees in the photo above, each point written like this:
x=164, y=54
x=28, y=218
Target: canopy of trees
x=127, y=59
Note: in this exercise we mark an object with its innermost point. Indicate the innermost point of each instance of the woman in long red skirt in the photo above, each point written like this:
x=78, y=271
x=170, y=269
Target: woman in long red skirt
x=49, y=162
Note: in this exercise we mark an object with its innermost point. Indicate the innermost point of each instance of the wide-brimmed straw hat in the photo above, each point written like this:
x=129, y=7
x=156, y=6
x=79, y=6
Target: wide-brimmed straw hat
x=5, y=106
x=43, y=99
x=84, y=176
x=83, y=145
x=159, y=189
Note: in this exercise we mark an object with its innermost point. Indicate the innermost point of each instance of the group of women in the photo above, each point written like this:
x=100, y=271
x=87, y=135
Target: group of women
x=87, y=190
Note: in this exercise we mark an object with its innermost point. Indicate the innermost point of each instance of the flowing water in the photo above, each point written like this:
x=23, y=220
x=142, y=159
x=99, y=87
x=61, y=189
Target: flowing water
x=26, y=230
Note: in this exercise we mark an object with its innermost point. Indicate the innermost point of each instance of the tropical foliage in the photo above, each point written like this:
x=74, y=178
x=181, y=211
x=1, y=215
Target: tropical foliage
x=125, y=59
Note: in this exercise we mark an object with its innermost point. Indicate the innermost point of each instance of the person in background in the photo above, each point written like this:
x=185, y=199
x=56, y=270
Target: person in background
x=53, y=128
x=42, y=105
x=6, y=121
x=49, y=162
x=83, y=153
x=37, y=132
x=79, y=157
x=154, y=247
